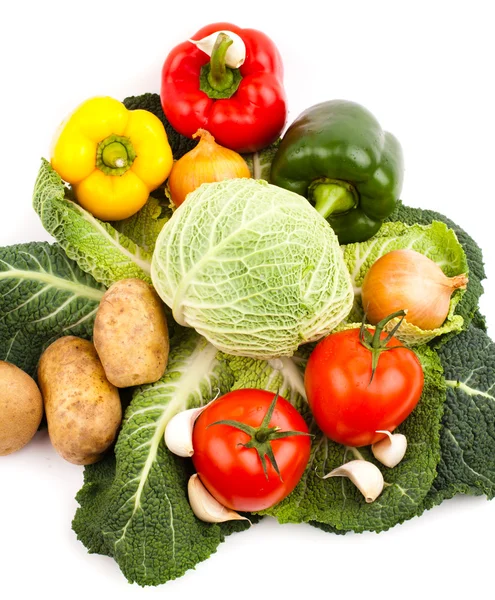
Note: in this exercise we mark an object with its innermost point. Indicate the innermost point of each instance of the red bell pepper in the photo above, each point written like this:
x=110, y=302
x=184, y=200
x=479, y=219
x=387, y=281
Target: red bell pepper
x=244, y=109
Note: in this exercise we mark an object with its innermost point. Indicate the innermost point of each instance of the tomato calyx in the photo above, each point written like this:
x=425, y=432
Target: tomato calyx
x=262, y=436
x=373, y=341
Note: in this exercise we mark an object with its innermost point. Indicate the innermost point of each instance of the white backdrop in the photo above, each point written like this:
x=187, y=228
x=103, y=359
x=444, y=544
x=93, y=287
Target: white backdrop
x=425, y=69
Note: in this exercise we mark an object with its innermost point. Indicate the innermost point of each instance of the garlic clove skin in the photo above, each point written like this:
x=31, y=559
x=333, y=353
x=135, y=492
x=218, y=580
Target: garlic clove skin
x=236, y=54
x=178, y=432
x=204, y=505
x=391, y=450
x=366, y=476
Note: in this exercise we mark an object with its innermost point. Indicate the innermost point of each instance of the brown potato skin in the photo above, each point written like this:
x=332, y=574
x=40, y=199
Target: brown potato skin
x=131, y=334
x=83, y=408
x=21, y=408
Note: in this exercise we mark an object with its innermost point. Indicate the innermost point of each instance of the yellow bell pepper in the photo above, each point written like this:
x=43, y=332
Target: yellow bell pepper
x=112, y=157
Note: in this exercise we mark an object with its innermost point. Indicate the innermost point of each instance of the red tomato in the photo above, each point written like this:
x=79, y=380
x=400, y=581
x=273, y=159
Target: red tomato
x=234, y=474
x=346, y=406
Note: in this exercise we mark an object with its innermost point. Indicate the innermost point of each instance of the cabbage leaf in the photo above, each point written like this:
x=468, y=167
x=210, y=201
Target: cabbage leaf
x=144, y=227
x=43, y=296
x=468, y=425
x=96, y=246
x=135, y=507
x=467, y=434
x=260, y=162
x=336, y=502
x=151, y=102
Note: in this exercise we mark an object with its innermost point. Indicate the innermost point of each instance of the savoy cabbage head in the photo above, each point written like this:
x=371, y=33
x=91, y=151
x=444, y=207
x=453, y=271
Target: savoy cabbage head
x=253, y=268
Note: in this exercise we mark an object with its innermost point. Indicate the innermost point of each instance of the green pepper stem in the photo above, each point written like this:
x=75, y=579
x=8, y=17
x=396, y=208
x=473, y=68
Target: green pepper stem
x=332, y=196
x=220, y=77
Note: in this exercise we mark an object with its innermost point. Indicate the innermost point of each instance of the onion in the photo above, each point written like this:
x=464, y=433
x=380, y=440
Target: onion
x=408, y=280
x=206, y=163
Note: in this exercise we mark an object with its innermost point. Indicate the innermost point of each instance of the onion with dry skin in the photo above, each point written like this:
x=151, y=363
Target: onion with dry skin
x=408, y=280
x=206, y=163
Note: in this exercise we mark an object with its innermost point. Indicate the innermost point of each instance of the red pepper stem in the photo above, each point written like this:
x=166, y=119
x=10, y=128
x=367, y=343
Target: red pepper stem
x=220, y=77
x=217, y=80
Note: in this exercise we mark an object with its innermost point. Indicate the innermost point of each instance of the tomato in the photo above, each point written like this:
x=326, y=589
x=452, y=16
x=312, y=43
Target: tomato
x=233, y=473
x=347, y=407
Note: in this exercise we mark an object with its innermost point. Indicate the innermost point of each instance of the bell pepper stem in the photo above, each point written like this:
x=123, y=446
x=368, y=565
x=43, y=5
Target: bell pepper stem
x=332, y=196
x=220, y=77
x=115, y=155
x=217, y=80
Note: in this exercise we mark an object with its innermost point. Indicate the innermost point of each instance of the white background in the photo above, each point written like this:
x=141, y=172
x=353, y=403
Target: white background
x=425, y=69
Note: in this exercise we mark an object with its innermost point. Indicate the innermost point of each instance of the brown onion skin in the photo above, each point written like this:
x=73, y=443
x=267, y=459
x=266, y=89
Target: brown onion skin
x=206, y=163
x=408, y=280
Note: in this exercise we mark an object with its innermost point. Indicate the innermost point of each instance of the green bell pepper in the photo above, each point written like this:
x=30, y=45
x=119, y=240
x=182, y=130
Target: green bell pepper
x=337, y=155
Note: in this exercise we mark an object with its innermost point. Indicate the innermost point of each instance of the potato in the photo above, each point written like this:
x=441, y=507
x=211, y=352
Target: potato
x=130, y=334
x=83, y=408
x=21, y=408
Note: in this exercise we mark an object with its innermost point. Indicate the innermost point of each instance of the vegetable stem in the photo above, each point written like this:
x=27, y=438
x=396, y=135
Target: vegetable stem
x=261, y=437
x=115, y=155
x=220, y=77
x=374, y=343
x=332, y=196
x=217, y=80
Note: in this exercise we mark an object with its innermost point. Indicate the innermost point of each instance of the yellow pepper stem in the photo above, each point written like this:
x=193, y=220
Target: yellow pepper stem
x=115, y=155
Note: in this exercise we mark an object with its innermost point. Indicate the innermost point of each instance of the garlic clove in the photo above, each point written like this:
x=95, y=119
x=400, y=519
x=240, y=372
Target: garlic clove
x=178, y=432
x=364, y=475
x=204, y=505
x=391, y=450
x=236, y=54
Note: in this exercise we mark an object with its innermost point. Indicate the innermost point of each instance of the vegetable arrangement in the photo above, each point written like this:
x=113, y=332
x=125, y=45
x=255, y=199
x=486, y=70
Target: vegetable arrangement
x=236, y=322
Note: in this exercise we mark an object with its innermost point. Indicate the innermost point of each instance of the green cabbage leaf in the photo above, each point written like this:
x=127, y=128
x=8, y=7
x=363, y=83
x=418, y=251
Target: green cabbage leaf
x=96, y=246
x=144, y=227
x=134, y=507
x=43, y=296
x=336, y=502
x=467, y=433
x=467, y=437
x=260, y=163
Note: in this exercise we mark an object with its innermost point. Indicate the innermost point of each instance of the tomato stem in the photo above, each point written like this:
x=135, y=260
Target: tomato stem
x=262, y=436
x=373, y=341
